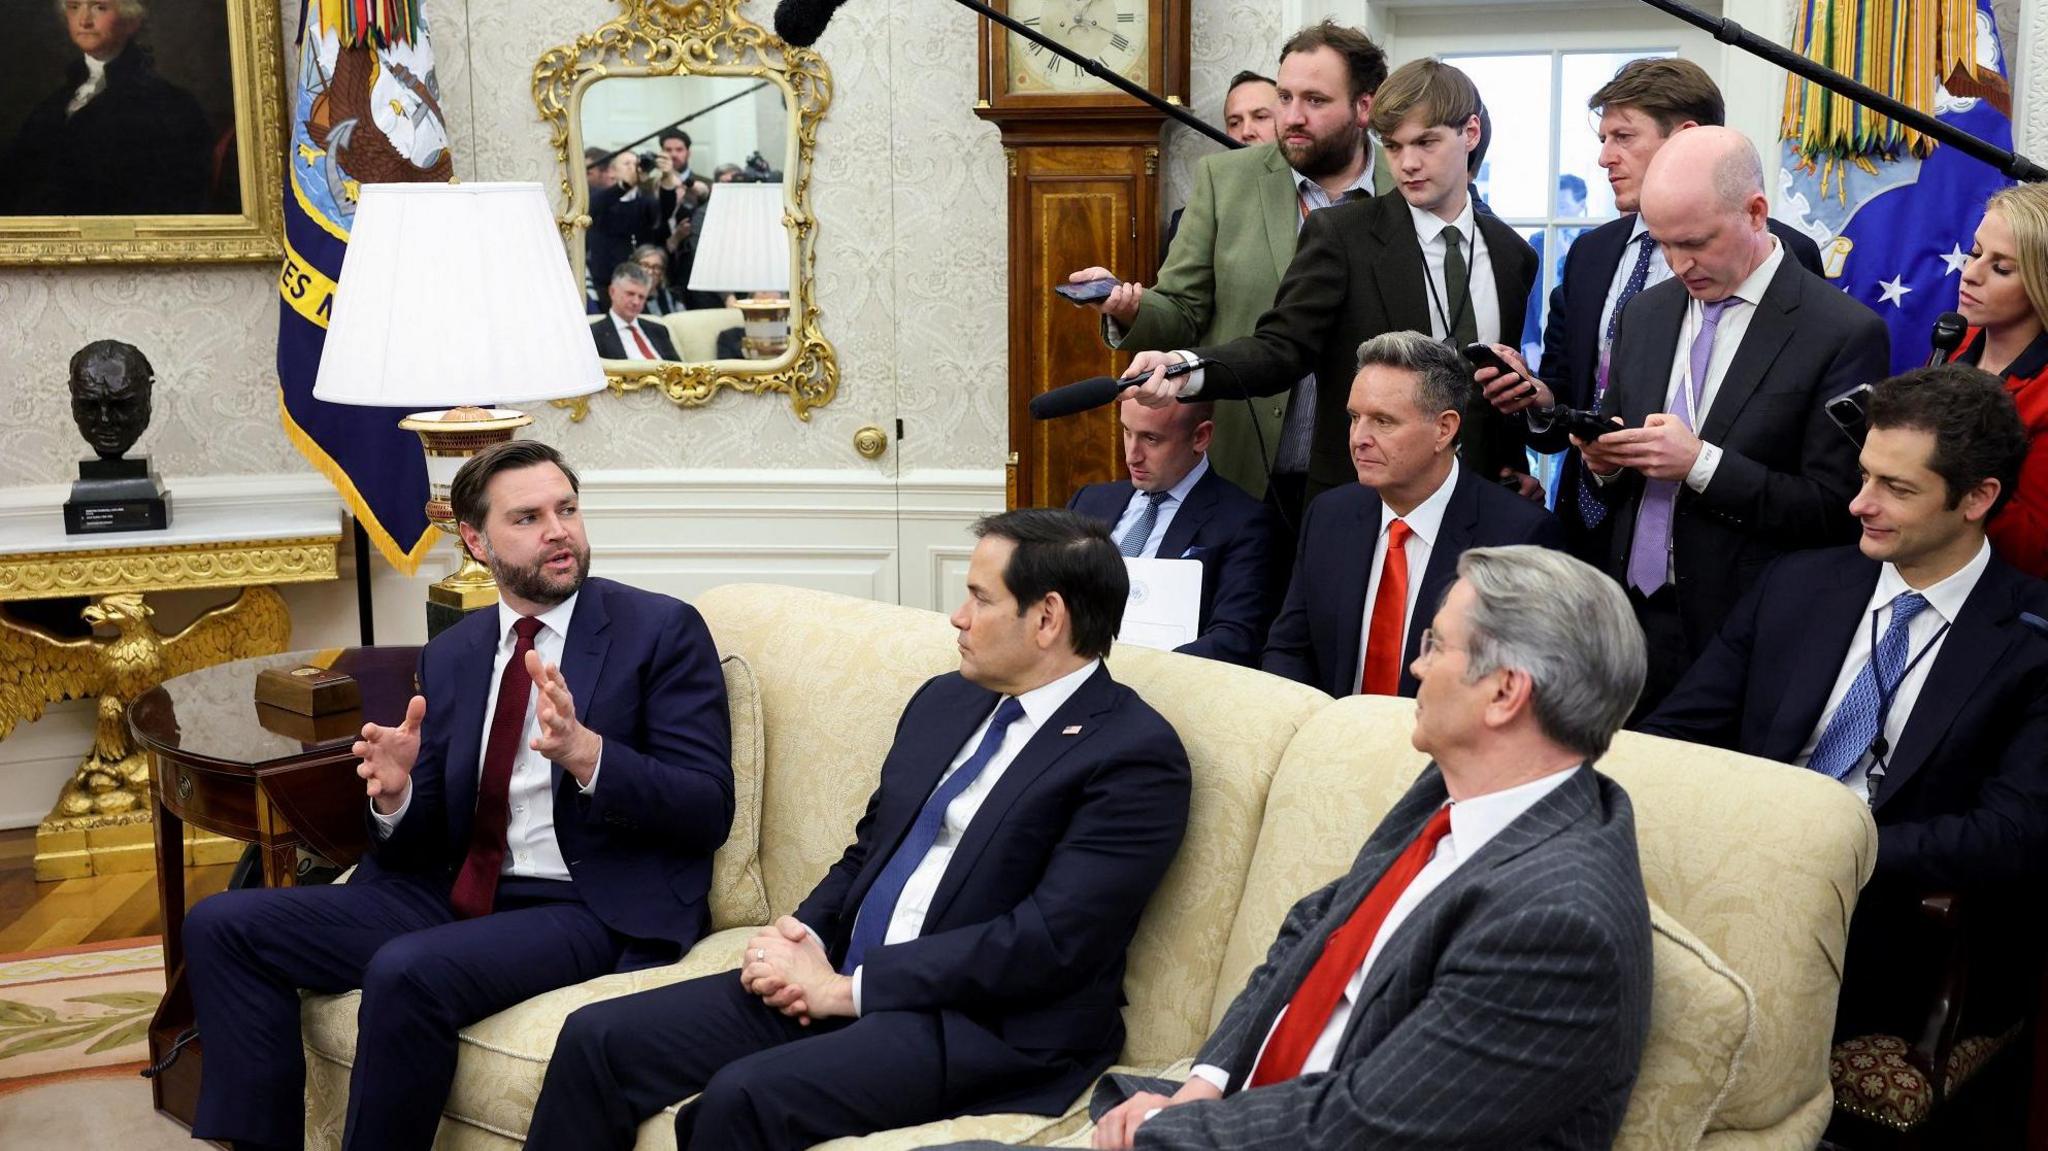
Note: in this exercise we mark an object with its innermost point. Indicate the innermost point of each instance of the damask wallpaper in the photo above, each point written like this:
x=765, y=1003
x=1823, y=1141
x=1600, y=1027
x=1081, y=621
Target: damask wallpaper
x=909, y=193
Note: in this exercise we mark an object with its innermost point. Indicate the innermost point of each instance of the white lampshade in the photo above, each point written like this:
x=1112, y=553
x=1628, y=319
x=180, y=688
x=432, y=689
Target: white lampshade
x=742, y=246
x=456, y=294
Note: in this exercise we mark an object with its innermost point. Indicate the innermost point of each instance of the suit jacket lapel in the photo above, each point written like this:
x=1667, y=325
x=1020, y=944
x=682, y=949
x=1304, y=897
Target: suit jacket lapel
x=1281, y=205
x=1399, y=267
x=1976, y=643
x=1350, y=580
x=1827, y=628
x=473, y=688
x=1190, y=516
x=1506, y=251
x=1769, y=330
x=1460, y=524
x=917, y=773
x=1661, y=315
x=1050, y=742
x=583, y=652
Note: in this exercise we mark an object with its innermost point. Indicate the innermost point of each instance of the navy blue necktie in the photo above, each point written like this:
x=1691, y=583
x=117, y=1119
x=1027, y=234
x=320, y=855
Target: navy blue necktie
x=1592, y=509
x=878, y=907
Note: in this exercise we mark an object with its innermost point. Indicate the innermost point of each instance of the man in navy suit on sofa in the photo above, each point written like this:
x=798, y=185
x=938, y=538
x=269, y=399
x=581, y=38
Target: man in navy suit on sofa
x=1377, y=556
x=545, y=814
x=1175, y=507
x=966, y=953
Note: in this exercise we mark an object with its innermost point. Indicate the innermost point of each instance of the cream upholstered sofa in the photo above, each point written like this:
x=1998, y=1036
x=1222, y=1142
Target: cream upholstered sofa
x=695, y=331
x=1752, y=870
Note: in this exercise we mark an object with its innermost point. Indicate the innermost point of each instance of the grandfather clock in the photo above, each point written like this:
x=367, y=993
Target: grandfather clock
x=1084, y=189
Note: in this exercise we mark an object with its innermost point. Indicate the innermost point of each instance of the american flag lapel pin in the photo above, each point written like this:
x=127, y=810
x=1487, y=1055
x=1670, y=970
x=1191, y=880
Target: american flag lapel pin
x=1072, y=729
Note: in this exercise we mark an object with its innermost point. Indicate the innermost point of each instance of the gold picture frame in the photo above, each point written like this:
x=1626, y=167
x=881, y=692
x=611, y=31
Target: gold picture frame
x=253, y=235
x=707, y=38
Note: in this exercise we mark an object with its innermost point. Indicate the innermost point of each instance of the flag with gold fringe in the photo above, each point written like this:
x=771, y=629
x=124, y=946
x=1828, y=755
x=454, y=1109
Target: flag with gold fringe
x=367, y=111
x=1892, y=211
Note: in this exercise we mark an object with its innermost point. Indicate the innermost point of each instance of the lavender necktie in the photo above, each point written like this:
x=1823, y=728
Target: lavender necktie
x=1650, y=547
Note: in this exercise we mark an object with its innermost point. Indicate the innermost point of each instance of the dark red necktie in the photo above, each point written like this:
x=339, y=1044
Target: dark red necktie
x=1343, y=953
x=1383, y=640
x=476, y=886
x=646, y=350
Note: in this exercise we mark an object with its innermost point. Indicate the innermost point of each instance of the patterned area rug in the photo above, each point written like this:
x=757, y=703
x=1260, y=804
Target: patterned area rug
x=78, y=1011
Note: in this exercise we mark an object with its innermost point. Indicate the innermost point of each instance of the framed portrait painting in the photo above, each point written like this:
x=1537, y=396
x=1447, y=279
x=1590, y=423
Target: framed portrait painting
x=141, y=131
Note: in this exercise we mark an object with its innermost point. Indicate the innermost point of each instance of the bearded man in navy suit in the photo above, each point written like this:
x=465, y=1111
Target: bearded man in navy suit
x=966, y=953
x=1176, y=507
x=545, y=814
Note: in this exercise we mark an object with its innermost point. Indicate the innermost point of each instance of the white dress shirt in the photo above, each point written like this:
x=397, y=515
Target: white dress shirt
x=1039, y=704
x=1479, y=284
x=1427, y=524
x=1727, y=341
x=626, y=343
x=1474, y=823
x=1924, y=632
x=530, y=846
x=95, y=83
x=1175, y=496
x=1660, y=271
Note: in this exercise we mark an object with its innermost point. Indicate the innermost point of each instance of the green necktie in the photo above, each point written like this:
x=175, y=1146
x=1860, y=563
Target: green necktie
x=1457, y=293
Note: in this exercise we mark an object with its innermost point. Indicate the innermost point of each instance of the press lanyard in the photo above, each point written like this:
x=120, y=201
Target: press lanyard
x=1886, y=693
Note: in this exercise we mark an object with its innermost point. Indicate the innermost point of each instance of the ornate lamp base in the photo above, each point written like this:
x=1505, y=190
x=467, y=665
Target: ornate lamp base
x=450, y=437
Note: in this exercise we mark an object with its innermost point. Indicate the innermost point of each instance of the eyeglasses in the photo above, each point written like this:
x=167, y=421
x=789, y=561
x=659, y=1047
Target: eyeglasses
x=1431, y=644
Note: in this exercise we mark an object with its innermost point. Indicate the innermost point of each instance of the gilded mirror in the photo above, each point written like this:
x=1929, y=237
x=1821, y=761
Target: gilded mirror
x=684, y=135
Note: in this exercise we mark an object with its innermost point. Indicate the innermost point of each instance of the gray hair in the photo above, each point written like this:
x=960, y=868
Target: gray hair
x=1443, y=380
x=632, y=271
x=643, y=251
x=1566, y=625
x=132, y=11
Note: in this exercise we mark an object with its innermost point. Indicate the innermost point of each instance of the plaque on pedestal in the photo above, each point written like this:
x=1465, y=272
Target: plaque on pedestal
x=117, y=495
x=110, y=401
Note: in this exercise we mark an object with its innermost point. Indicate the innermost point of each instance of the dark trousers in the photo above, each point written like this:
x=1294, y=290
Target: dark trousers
x=766, y=1081
x=424, y=975
x=1670, y=655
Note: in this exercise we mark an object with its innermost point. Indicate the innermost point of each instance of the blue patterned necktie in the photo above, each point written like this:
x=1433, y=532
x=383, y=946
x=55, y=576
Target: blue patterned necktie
x=878, y=907
x=1133, y=544
x=1857, y=722
x=1591, y=508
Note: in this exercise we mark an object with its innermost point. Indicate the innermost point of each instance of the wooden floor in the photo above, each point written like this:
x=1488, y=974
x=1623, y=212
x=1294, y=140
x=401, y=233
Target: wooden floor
x=68, y=912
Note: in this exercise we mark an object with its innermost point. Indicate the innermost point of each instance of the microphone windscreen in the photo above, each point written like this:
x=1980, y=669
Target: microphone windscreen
x=1071, y=398
x=801, y=22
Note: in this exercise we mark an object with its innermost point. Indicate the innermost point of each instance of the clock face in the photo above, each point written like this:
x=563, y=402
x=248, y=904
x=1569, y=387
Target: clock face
x=1113, y=33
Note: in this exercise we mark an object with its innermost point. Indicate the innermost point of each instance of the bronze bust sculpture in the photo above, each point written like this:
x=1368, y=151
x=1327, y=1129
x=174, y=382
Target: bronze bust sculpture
x=111, y=386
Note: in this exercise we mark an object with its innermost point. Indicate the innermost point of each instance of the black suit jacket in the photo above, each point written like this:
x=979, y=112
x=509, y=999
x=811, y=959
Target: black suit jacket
x=1786, y=473
x=1964, y=799
x=1315, y=638
x=1571, y=353
x=605, y=335
x=1024, y=942
x=1232, y=535
x=645, y=676
x=1358, y=272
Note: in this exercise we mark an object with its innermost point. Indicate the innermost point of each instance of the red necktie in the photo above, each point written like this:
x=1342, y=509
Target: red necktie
x=1384, y=642
x=646, y=352
x=1308, y=1013
x=476, y=886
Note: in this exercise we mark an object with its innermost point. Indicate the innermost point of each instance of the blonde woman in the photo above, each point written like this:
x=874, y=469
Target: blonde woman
x=2004, y=299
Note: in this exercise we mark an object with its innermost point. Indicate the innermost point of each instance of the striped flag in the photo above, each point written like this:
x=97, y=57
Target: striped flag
x=367, y=111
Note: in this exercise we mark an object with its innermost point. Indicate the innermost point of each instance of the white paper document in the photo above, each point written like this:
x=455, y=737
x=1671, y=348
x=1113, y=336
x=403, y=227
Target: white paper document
x=1165, y=608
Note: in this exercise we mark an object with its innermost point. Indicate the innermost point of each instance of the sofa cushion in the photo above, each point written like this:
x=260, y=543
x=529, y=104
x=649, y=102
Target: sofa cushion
x=1702, y=1023
x=738, y=897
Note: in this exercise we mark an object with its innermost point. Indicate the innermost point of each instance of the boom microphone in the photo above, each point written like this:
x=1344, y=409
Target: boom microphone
x=801, y=22
x=1947, y=337
x=1068, y=399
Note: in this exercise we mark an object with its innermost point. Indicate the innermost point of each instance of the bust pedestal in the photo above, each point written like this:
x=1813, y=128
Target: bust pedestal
x=117, y=495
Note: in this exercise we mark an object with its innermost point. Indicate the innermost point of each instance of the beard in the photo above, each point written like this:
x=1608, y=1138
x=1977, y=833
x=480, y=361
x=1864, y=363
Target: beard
x=1324, y=156
x=533, y=582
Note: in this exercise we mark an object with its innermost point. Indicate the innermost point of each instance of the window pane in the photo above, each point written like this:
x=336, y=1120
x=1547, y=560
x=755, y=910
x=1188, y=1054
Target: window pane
x=1517, y=94
x=1578, y=144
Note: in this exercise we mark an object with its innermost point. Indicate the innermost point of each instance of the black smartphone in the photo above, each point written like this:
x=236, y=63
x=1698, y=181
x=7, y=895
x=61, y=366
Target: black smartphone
x=1085, y=293
x=1483, y=356
x=1846, y=410
x=1584, y=424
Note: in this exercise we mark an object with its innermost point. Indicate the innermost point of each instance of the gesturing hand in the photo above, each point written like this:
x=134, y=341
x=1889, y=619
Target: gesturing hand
x=563, y=739
x=388, y=754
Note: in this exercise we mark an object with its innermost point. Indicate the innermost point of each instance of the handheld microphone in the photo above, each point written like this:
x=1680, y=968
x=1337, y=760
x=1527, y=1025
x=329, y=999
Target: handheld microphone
x=1094, y=392
x=801, y=22
x=1946, y=337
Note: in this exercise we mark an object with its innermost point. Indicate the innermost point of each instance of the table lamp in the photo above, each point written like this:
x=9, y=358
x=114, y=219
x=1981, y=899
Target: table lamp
x=456, y=298
x=743, y=247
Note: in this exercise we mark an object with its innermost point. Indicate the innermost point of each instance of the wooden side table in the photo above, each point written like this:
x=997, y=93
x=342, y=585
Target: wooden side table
x=220, y=763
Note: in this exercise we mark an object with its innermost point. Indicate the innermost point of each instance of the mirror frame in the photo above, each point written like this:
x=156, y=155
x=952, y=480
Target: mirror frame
x=707, y=38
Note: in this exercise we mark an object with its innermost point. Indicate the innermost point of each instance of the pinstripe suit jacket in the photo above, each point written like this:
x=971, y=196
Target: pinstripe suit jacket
x=1509, y=1010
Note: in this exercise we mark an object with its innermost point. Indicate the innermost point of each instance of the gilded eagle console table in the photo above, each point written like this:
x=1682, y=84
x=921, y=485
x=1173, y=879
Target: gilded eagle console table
x=101, y=823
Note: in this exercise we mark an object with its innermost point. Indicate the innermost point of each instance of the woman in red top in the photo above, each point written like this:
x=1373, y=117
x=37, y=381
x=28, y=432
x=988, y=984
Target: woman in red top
x=2004, y=298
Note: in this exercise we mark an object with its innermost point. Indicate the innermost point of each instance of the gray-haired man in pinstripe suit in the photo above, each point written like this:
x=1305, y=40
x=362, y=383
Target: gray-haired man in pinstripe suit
x=1503, y=995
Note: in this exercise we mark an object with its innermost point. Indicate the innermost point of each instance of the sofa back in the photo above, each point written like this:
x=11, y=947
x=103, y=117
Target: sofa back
x=833, y=673
x=1752, y=869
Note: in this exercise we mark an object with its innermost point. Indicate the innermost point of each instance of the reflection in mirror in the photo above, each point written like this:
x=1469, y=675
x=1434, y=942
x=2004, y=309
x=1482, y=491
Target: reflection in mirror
x=657, y=149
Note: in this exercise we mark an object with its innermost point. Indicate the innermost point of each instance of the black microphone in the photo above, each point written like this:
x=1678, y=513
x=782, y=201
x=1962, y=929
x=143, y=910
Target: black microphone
x=801, y=22
x=1947, y=337
x=1068, y=399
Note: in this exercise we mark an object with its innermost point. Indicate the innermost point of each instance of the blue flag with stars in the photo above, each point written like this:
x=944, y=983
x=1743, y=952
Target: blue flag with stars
x=1897, y=239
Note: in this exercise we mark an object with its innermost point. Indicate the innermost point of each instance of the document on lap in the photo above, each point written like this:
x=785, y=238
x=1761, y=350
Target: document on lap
x=1165, y=607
